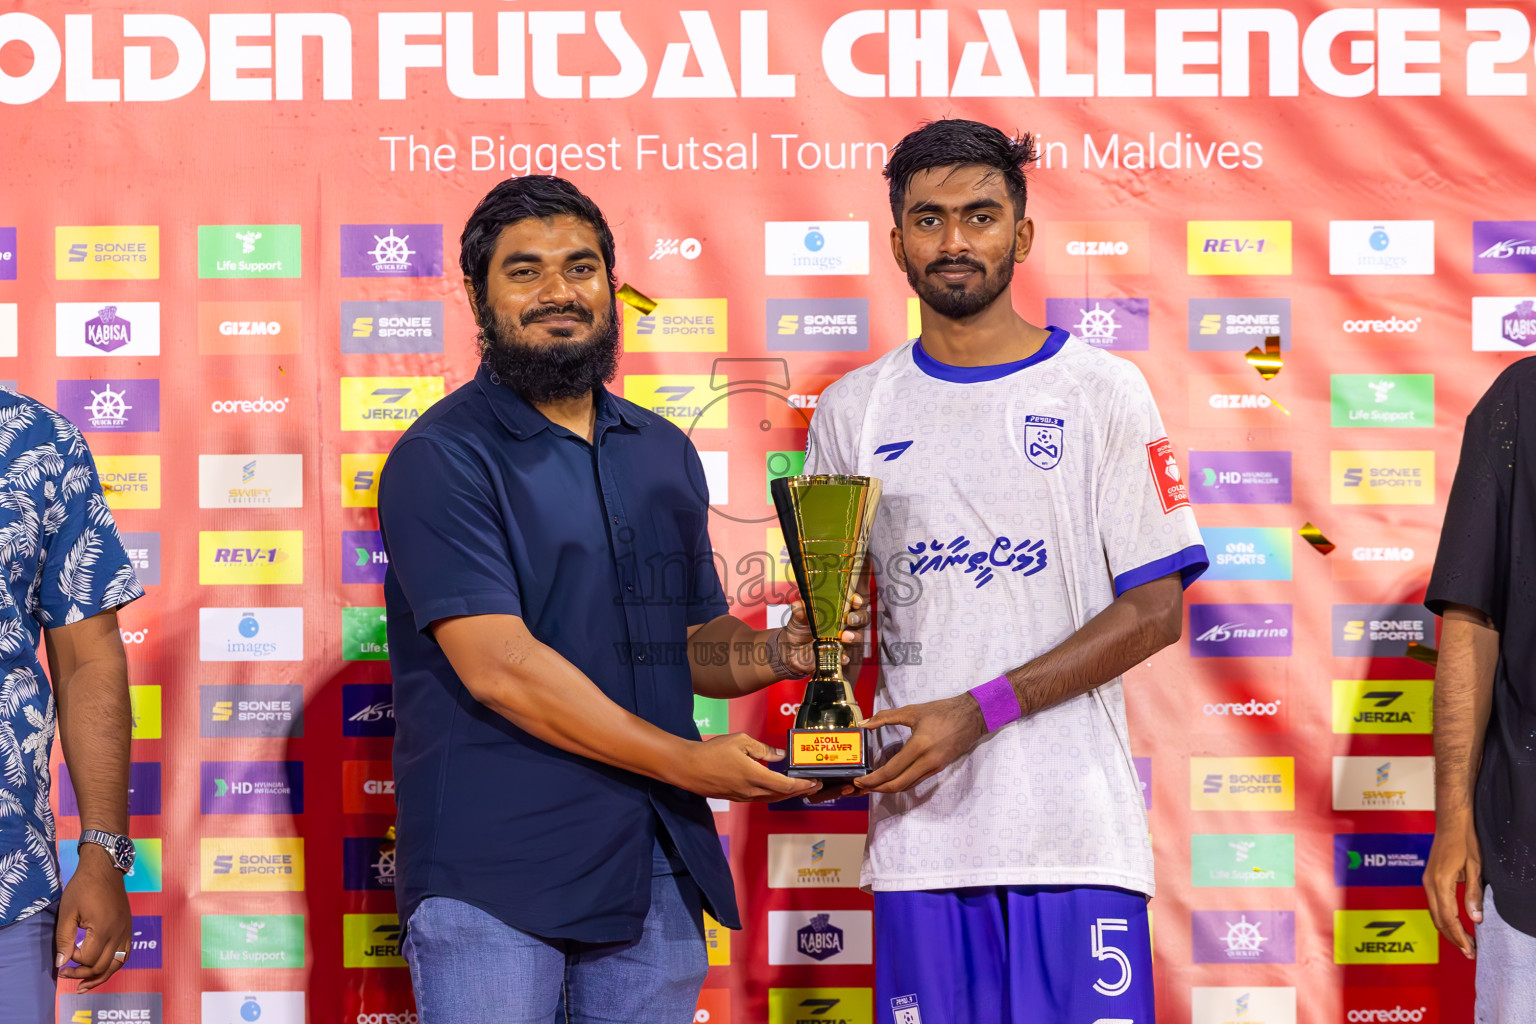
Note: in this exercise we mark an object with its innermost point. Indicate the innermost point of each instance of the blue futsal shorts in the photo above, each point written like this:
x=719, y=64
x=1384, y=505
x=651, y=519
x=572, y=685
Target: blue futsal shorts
x=1019, y=954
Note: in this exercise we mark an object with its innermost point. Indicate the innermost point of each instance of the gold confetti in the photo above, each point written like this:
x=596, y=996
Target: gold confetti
x=630, y=297
x=1277, y=405
x=1267, y=360
x=1312, y=535
x=1428, y=655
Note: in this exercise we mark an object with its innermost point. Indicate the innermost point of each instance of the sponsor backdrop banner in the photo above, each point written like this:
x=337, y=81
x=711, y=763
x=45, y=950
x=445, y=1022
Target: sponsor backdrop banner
x=228, y=252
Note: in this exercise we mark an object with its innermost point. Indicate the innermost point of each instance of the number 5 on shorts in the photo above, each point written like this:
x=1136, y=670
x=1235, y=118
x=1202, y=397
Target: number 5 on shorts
x=1102, y=950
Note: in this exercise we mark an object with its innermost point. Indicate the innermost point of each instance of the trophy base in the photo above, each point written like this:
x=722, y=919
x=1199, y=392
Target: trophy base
x=827, y=754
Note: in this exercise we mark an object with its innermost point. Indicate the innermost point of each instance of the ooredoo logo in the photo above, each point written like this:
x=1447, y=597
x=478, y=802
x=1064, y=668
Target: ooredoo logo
x=1392, y=325
x=250, y=407
x=1253, y=707
x=1397, y=1013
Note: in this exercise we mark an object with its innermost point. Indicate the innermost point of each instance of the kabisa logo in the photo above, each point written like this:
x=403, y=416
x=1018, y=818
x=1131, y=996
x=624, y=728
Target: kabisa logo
x=1380, y=630
x=1382, y=705
x=251, y=634
x=1236, y=325
x=817, y=325
x=368, y=864
x=255, y=864
x=1380, y=858
x=1391, y=325
x=820, y=939
x=110, y=1008
x=270, y=710
x=1384, y=937
x=386, y=403
x=1240, y=478
x=1377, y=784
x=1248, y=552
x=685, y=399
x=391, y=250
x=1238, y=247
x=1504, y=247
x=1240, y=630
x=391, y=327
x=1116, y=324
x=1503, y=323
x=1381, y=247
x=677, y=325
x=1248, y=936
x=367, y=709
x=107, y=253
x=122, y=329
x=1382, y=477
x=249, y=250
x=371, y=940
x=1242, y=783
x=797, y=247
x=1098, y=247
x=249, y=328
x=120, y=406
x=821, y=1006
x=820, y=936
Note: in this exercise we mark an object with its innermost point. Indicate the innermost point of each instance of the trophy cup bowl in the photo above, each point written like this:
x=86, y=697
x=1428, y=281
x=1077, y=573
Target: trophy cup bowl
x=826, y=522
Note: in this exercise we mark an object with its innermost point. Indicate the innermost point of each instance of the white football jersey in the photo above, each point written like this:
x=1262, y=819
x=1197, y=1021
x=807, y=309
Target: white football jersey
x=1019, y=500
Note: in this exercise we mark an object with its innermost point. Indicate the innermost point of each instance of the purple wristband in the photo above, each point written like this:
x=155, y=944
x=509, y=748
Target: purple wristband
x=999, y=704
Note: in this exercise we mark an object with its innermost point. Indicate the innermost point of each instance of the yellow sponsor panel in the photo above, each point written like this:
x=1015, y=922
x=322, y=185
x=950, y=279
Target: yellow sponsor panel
x=256, y=864
x=360, y=479
x=371, y=940
x=914, y=317
x=717, y=940
x=129, y=481
x=250, y=557
x=1383, y=705
x=1242, y=783
x=808, y=749
x=1382, y=478
x=144, y=704
x=676, y=325
x=815, y=1005
x=107, y=253
x=1385, y=937
x=1239, y=247
x=685, y=399
x=386, y=403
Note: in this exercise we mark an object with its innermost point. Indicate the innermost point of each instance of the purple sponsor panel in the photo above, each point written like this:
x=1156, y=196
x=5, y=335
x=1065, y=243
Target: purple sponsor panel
x=366, y=865
x=121, y=406
x=1240, y=630
x=7, y=254
x=1240, y=478
x=1243, y=936
x=1504, y=247
x=391, y=250
x=143, y=789
x=147, y=945
x=1144, y=777
x=362, y=557
x=367, y=709
x=1116, y=324
x=253, y=787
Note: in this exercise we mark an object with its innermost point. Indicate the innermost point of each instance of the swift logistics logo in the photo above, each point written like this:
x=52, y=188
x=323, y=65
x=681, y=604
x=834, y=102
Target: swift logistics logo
x=795, y=248
x=366, y=866
x=250, y=634
x=1119, y=325
x=252, y=787
x=677, y=325
x=111, y=406
x=1384, y=937
x=1381, y=858
x=1504, y=247
x=817, y=325
x=360, y=479
x=249, y=250
x=368, y=709
x=250, y=557
x=1240, y=630
x=129, y=481
x=251, y=710
x=1225, y=247
x=364, y=636
x=820, y=937
x=1240, y=478
x=252, y=940
x=1248, y=552
x=1243, y=936
x=252, y=864
x=1236, y=325
x=1246, y=1004
x=1242, y=861
x=125, y=330
x=684, y=399
x=391, y=250
x=1383, y=400
x=249, y=328
x=250, y=481
x=1380, y=630
x=820, y=1005
x=111, y=1008
x=814, y=860
x=371, y=940
x=1503, y=323
x=1395, y=706
x=1378, y=247
x=391, y=328
x=1382, y=477
x=386, y=403
x=367, y=787
x=115, y=253
x=1242, y=783
x=1383, y=783
x=363, y=559
x=1077, y=248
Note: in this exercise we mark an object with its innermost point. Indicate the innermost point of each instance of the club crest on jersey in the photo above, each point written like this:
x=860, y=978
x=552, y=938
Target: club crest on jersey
x=1042, y=440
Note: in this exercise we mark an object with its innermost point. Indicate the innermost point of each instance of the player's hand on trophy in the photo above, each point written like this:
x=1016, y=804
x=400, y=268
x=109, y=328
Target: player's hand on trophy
x=730, y=768
x=797, y=644
x=941, y=731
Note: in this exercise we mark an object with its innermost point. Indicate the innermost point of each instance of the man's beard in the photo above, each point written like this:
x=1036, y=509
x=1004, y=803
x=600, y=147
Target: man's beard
x=554, y=370
x=959, y=302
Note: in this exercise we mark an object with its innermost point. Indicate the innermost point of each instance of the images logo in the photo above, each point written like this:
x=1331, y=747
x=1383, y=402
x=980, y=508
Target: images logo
x=1239, y=247
x=253, y=787
x=386, y=403
x=367, y=709
x=366, y=865
x=143, y=789
x=1243, y=1005
x=106, y=253
x=1382, y=477
x=253, y=940
x=1243, y=861
x=253, y=865
x=1380, y=630
x=1383, y=784
x=685, y=399
x=102, y=1008
x=1384, y=937
x=362, y=556
x=250, y=481
x=1242, y=784
x=249, y=250
x=1240, y=630
x=391, y=327
x=364, y=636
x=820, y=1005
x=123, y=329
x=1383, y=400
x=1504, y=247
x=250, y=634
x=1380, y=858
x=119, y=406
x=8, y=255
x=1248, y=552
x=249, y=328
x=360, y=479
x=391, y=250
x=1382, y=705
x=1381, y=247
x=1116, y=324
x=1503, y=323
x=129, y=481
x=1080, y=247
x=270, y=710
x=818, y=325
x=798, y=247
x=251, y=1007
x=147, y=874
x=814, y=861
x=247, y=557
x=8, y=334
x=677, y=325
x=1247, y=936
x=1240, y=478
x=371, y=940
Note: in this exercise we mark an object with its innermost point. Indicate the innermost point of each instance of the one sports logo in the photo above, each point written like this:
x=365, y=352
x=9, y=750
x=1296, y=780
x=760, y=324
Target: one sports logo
x=894, y=450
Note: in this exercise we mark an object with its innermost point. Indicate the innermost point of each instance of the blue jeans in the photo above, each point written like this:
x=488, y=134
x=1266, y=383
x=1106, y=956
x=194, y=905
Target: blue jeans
x=26, y=969
x=469, y=966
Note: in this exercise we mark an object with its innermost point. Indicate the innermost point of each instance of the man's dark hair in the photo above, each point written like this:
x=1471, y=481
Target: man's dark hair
x=536, y=195
x=951, y=143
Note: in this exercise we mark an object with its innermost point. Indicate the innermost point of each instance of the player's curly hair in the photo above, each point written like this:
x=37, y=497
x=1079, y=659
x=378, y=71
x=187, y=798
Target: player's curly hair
x=953, y=142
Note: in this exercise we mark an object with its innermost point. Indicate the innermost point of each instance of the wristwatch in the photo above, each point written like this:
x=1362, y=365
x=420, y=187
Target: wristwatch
x=120, y=847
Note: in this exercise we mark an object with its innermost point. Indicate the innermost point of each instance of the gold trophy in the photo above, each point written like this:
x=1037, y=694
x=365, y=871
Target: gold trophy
x=826, y=521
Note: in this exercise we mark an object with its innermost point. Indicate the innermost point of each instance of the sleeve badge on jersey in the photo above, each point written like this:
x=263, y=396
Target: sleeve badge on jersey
x=1172, y=491
x=1042, y=440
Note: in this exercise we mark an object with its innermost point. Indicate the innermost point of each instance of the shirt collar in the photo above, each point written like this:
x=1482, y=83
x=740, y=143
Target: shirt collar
x=523, y=421
x=977, y=374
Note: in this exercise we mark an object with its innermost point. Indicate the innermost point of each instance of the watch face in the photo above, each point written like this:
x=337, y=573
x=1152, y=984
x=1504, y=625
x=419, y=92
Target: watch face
x=124, y=854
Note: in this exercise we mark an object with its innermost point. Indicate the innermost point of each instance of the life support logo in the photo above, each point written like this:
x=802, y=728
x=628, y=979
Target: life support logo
x=1043, y=440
